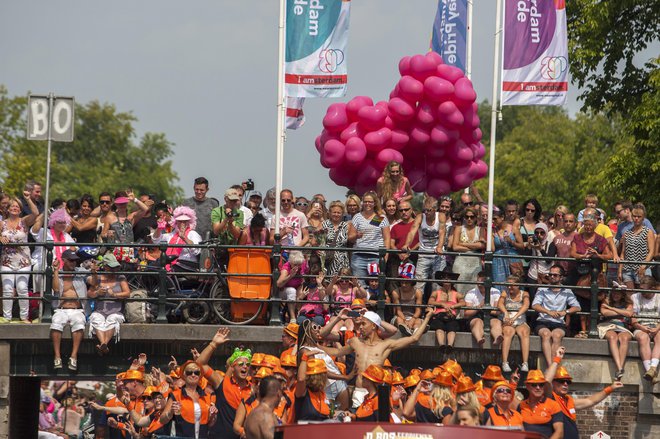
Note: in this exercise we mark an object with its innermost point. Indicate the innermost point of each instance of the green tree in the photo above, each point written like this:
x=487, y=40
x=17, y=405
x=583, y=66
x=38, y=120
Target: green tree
x=604, y=38
x=104, y=155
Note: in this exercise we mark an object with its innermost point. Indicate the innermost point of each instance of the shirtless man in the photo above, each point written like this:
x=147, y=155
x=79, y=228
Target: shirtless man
x=70, y=288
x=261, y=422
x=371, y=349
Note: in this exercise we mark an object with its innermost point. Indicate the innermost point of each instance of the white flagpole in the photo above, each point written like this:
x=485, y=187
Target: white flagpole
x=493, y=125
x=281, y=115
x=468, y=52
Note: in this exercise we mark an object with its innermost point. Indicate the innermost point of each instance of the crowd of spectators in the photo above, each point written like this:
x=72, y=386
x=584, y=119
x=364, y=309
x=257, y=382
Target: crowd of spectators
x=439, y=261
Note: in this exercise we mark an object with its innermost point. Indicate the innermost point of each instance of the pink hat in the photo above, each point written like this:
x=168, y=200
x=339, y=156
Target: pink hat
x=372, y=269
x=407, y=270
x=121, y=200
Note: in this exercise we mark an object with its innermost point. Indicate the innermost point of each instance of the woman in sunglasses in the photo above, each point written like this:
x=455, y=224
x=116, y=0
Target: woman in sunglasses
x=501, y=413
x=468, y=238
x=192, y=409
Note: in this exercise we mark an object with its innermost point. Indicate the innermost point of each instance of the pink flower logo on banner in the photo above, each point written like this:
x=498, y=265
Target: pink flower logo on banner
x=530, y=27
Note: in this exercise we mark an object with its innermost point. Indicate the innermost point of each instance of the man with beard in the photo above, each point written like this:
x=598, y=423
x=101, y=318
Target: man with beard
x=231, y=388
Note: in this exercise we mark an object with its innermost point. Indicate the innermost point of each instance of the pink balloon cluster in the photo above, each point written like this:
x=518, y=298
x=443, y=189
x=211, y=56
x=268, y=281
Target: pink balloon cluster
x=429, y=124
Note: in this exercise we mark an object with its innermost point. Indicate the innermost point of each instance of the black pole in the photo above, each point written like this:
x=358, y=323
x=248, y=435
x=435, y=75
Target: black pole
x=274, y=296
x=593, y=312
x=162, y=286
x=384, y=408
x=47, y=294
x=382, y=275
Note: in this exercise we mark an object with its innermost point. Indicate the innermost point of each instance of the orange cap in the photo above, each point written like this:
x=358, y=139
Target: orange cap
x=387, y=363
x=465, y=385
x=316, y=366
x=263, y=372
x=427, y=375
x=288, y=360
x=358, y=303
x=502, y=383
x=270, y=361
x=397, y=378
x=133, y=375
x=411, y=381
x=416, y=372
x=292, y=330
x=493, y=373
x=374, y=373
x=444, y=379
x=453, y=368
x=562, y=374
x=257, y=359
x=535, y=376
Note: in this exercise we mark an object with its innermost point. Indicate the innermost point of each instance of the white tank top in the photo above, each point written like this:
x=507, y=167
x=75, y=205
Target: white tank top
x=428, y=234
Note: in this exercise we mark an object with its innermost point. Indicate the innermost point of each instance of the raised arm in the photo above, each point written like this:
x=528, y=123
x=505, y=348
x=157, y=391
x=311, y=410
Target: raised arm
x=403, y=342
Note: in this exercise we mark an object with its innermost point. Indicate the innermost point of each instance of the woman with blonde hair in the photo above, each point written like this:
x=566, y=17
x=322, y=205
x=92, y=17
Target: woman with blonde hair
x=336, y=236
x=432, y=400
x=353, y=206
x=558, y=227
x=393, y=184
x=310, y=398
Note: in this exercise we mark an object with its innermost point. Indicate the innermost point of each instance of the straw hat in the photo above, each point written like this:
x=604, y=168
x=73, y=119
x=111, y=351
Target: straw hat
x=316, y=366
x=562, y=374
x=465, y=385
x=493, y=373
x=535, y=376
x=292, y=330
x=444, y=379
x=374, y=373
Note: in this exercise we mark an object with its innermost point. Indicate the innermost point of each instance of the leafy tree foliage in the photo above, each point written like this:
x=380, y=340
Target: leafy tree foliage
x=103, y=157
x=604, y=37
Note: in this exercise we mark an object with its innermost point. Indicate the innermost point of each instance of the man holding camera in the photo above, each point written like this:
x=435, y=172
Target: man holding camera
x=228, y=219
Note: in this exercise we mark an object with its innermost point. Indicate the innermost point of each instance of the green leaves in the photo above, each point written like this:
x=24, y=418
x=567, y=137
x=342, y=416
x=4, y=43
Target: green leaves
x=104, y=155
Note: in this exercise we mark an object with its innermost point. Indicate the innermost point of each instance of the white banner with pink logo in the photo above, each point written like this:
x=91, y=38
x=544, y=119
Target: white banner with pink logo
x=535, y=63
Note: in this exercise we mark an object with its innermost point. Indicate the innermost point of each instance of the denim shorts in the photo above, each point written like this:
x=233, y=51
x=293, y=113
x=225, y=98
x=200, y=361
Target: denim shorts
x=633, y=275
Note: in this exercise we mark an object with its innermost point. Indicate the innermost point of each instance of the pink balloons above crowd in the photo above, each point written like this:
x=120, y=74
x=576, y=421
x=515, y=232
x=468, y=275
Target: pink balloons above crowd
x=429, y=125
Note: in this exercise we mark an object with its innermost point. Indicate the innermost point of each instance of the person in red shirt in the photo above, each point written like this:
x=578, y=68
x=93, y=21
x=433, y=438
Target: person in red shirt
x=540, y=413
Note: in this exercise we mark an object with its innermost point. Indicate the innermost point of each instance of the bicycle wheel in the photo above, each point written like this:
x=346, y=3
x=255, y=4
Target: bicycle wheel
x=196, y=313
x=223, y=309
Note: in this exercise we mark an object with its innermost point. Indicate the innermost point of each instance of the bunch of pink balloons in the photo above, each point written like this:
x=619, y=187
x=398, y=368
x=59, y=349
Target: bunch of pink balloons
x=429, y=125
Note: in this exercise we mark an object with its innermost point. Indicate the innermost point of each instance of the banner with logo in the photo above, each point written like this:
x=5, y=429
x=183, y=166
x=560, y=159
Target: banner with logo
x=295, y=118
x=316, y=42
x=450, y=32
x=535, y=65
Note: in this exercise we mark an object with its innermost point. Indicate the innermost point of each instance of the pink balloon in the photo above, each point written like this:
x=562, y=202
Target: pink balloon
x=437, y=89
x=477, y=135
x=368, y=175
x=335, y=119
x=438, y=168
x=342, y=176
x=350, y=131
x=411, y=89
x=459, y=151
x=450, y=73
x=377, y=140
x=387, y=155
x=425, y=114
x=395, y=93
x=400, y=139
x=333, y=152
x=404, y=66
x=422, y=67
x=354, y=105
x=449, y=115
x=434, y=57
x=401, y=110
x=389, y=123
x=464, y=96
x=372, y=118
x=434, y=151
x=471, y=118
x=317, y=143
x=356, y=152
x=325, y=136
x=481, y=151
x=420, y=136
x=481, y=170
x=417, y=179
x=438, y=187
x=442, y=136
x=461, y=177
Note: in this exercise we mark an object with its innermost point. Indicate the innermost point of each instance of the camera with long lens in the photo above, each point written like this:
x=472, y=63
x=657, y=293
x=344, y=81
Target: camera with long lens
x=249, y=185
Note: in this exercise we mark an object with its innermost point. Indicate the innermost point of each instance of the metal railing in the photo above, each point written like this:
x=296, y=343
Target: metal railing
x=274, y=301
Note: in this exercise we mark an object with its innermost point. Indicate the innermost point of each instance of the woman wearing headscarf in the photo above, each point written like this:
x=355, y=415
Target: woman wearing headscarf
x=539, y=268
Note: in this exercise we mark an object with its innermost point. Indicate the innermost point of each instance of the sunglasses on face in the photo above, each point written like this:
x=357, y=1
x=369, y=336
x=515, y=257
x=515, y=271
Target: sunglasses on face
x=530, y=210
x=241, y=364
x=193, y=372
x=537, y=385
x=564, y=382
x=469, y=203
x=404, y=210
x=554, y=275
x=105, y=202
x=469, y=216
x=302, y=204
x=286, y=200
x=540, y=232
x=503, y=390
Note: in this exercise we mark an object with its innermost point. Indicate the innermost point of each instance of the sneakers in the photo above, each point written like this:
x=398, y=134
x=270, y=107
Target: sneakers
x=73, y=364
x=619, y=374
x=651, y=373
x=405, y=331
x=505, y=367
x=524, y=367
x=4, y=320
x=57, y=363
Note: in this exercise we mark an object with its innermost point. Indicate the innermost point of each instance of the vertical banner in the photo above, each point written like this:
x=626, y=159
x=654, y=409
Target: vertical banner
x=295, y=118
x=450, y=32
x=535, y=67
x=316, y=42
